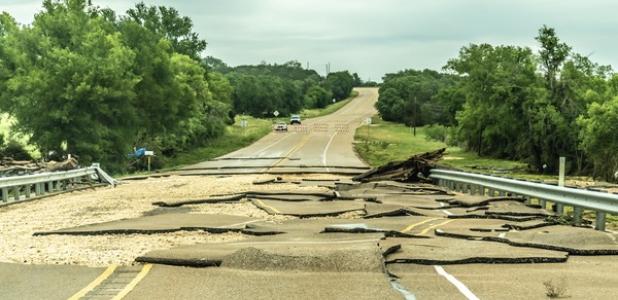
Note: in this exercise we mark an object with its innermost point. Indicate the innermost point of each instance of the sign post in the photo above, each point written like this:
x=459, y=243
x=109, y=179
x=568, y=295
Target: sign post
x=368, y=122
x=244, y=124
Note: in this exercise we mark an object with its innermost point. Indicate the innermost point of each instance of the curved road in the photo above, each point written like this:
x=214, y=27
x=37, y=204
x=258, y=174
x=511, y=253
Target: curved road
x=319, y=145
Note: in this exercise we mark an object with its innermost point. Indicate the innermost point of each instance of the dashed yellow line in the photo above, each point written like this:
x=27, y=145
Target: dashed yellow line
x=94, y=283
x=417, y=224
x=129, y=287
x=267, y=206
x=426, y=230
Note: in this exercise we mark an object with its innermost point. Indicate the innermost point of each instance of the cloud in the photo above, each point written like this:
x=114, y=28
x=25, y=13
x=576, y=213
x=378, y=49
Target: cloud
x=373, y=37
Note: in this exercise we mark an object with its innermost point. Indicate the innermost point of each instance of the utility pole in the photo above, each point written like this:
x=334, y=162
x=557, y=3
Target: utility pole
x=414, y=115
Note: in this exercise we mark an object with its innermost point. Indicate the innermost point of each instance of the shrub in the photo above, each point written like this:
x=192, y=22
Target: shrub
x=15, y=150
x=436, y=132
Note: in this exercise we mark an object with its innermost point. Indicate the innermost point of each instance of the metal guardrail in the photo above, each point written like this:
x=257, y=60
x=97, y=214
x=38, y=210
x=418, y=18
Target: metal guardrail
x=579, y=199
x=27, y=187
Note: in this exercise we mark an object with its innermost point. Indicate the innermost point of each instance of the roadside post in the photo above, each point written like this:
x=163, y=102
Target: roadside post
x=561, y=171
x=244, y=124
x=149, y=155
x=276, y=114
x=368, y=122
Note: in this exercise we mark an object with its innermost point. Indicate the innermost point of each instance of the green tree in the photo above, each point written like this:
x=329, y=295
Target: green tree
x=74, y=87
x=553, y=54
x=340, y=84
x=599, y=138
x=167, y=22
x=499, y=84
x=318, y=97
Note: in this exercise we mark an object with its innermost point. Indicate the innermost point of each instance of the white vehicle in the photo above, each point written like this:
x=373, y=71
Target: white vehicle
x=281, y=127
x=295, y=119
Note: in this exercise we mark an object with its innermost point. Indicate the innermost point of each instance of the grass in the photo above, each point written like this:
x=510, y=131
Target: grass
x=235, y=137
x=318, y=112
x=391, y=141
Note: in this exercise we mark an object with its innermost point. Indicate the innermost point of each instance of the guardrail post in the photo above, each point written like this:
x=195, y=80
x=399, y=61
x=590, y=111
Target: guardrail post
x=537, y=192
x=37, y=189
x=577, y=215
x=600, y=221
x=5, y=195
x=28, y=190
x=559, y=209
x=16, y=197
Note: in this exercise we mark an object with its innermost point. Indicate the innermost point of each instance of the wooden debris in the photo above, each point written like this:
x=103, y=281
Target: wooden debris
x=404, y=171
x=10, y=167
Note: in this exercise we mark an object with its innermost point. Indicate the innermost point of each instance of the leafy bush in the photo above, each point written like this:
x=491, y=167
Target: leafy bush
x=436, y=132
x=13, y=150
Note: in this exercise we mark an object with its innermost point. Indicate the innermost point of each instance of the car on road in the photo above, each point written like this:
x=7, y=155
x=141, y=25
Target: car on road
x=281, y=127
x=295, y=119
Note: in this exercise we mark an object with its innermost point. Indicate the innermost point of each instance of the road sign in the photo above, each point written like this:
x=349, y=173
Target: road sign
x=276, y=113
x=244, y=123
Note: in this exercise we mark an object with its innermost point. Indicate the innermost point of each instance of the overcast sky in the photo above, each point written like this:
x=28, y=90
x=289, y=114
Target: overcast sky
x=374, y=37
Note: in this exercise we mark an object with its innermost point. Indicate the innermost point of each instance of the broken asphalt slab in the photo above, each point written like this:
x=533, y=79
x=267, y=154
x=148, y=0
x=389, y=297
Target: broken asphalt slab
x=574, y=240
x=442, y=251
x=162, y=223
x=335, y=252
x=308, y=209
x=276, y=195
x=466, y=200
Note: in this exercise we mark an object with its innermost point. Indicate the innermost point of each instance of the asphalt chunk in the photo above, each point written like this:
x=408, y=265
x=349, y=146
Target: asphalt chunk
x=574, y=240
x=308, y=209
x=442, y=251
x=160, y=224
x=340, y=253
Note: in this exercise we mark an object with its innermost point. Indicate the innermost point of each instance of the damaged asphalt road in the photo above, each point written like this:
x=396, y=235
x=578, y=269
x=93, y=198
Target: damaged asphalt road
x=381, y=238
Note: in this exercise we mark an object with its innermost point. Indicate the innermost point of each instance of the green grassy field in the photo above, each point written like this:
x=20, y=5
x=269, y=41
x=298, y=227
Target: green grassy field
x=391, y=141
x=235, y=137
x=318, y=112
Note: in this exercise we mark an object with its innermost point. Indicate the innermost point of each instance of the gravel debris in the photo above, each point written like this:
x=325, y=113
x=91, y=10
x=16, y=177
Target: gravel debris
x=129, y=200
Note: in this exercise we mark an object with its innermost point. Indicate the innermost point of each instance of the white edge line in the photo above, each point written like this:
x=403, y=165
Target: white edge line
x=407, y=295
x=446, y=212
x=458, y=284
x=326, y=149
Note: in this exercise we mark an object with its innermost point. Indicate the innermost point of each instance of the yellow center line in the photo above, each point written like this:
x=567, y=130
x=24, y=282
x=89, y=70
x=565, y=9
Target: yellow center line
x=94, y=283
x=267, y=206
x=129, y=287
x=417, y=224
x=303, y=141
x=426, y=230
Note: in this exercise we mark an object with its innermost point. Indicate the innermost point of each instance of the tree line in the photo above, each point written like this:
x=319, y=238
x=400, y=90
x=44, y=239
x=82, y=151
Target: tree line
x=81, y=79
x=510, y=102
x=259, y=90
